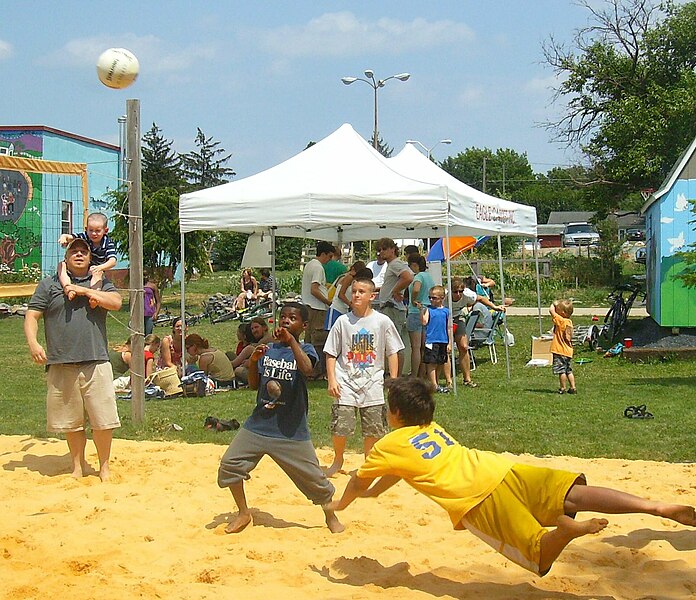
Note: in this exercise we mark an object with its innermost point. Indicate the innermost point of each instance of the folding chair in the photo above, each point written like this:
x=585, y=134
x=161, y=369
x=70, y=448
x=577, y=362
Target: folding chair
x=469, y=325
x=485, y=337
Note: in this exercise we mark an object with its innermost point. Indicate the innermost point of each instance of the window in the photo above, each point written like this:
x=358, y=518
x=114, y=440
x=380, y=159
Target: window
x=66, y=217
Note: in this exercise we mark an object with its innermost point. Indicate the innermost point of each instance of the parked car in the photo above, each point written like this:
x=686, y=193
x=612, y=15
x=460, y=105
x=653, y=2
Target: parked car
x=635, y=235
x=580, y=234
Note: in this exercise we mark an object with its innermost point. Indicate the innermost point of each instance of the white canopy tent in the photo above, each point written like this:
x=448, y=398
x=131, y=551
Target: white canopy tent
x=342, y=189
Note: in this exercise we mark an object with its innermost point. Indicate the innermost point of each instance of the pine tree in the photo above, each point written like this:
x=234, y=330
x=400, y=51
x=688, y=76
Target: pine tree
x=160, y=164
x=204, y=168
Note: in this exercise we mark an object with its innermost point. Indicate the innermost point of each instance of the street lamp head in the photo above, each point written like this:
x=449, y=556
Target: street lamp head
x=369, y=73
x=402, y=76
x=349, y=80
x=445, y=141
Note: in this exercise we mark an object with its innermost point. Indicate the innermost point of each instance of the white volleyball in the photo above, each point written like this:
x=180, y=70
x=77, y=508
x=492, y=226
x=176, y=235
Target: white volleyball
x=117, y=68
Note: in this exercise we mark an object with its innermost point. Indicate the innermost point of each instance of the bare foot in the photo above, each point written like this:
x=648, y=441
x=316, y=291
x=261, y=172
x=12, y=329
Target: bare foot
x=576, y=529
x=81, y=470
x=104, y=472
x=686, y=515
x=334, y=469
x=239, y=524
x=332, y=522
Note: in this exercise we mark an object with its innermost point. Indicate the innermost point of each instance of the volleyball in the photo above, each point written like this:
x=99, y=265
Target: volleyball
x=117, y=68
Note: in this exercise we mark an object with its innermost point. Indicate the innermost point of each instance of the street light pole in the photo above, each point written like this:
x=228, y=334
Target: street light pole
x=429, y=151
x=375, y=84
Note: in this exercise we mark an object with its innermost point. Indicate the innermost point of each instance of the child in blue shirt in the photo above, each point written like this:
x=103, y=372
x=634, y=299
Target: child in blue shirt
x=438, y=336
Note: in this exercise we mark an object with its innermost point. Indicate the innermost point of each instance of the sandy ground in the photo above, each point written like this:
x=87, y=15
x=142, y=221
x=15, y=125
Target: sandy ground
x=156, y=531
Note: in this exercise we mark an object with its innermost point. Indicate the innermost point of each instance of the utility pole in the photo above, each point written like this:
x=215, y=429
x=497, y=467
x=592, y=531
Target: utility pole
x=135, y=259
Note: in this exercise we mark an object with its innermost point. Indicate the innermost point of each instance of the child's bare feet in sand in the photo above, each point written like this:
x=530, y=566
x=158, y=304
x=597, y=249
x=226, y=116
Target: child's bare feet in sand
x=334, y=468
x=686, y=515
x=239, y=523
x=332, y=522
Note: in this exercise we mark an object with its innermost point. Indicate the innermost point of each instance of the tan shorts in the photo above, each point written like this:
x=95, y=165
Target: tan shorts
x=316, y=334
x=76, y=388
x=373, y=420
x=514, y=517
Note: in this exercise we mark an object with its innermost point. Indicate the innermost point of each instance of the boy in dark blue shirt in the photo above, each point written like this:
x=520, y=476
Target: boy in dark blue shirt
x=278, y=425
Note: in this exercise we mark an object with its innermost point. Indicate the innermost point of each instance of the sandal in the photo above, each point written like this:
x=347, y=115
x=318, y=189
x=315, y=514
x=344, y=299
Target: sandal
x=572, y=391
x=638, y=412
x=470, y=384
x=561, y=390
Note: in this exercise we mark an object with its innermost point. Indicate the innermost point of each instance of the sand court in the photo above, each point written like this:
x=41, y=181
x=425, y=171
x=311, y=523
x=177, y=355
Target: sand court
x=156, y=530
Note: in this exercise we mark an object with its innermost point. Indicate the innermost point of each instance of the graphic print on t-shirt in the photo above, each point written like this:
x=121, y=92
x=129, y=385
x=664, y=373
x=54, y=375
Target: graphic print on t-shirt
x=362, y=350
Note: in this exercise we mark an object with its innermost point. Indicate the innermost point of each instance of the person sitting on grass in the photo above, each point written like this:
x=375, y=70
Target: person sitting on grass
x=508, y=505
x=278, y=425
x=213, y=362
x=562, y=345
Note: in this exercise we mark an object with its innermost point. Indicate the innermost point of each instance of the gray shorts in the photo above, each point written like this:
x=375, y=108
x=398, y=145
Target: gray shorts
x=373, y=420
x=315, y=333
x=78, y=388
x=561, y=365
x=297, y=459
x=398, y=317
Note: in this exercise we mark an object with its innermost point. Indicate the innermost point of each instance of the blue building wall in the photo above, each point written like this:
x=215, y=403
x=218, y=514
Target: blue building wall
x=670, y=231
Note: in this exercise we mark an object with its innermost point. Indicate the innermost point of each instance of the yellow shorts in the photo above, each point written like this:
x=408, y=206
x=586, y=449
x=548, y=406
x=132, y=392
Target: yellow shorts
x=513, y=518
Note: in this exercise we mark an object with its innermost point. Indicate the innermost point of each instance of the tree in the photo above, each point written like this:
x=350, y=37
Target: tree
x=204, y=168
x=383, y=148
x=161, y=236
x=505, y=171
x=630, y=91
x=160, y=164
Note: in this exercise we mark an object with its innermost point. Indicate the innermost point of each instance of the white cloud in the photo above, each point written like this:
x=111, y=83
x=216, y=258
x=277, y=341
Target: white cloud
x=6, y=50
x=343, y=34
x=541, y=85
x=471, y=97
x=150, y=51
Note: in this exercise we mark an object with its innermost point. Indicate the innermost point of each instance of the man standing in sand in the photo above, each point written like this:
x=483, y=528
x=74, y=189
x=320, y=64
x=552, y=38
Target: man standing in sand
x=79, y=374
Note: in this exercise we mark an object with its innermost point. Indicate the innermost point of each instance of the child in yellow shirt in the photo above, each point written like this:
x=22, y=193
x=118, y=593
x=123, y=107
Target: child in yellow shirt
x=562, y=344
x=508, y=505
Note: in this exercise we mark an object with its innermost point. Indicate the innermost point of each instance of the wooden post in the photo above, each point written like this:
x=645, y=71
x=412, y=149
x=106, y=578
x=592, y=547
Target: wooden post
x=135, y=258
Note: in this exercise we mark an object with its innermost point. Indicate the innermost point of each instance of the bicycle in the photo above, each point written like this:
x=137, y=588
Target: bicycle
x=616, y=317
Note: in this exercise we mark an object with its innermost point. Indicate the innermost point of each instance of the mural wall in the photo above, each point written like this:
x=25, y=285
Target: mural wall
x=20, y=204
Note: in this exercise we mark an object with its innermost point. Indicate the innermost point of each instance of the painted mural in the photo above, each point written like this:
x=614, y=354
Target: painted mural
x=677, y=232
x=20, y=204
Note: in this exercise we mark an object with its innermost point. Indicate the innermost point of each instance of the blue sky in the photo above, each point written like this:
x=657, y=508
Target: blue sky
x=263, y=78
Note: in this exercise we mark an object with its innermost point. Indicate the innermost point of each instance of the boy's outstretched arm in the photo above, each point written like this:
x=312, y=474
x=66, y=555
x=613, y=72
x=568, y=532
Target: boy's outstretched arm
x=382, y=485
x=355, y=488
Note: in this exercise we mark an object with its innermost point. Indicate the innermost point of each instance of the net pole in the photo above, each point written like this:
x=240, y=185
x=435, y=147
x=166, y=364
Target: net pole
x=135, y=258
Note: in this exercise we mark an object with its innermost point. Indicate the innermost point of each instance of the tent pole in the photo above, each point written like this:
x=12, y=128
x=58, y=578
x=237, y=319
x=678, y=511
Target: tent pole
x=538, y=284
x=453, y=362
x=183, y=308
x=274, y=301
x=502, y=302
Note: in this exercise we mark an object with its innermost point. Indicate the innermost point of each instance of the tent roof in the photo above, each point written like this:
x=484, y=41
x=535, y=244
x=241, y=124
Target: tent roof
x=339, y=189
x=485, y=214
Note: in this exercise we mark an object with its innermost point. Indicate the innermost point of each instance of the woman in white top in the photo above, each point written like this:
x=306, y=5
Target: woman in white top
x=340, y=304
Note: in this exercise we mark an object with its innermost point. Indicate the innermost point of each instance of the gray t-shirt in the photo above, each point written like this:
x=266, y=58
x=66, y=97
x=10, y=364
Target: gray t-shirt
x=360, y=345
x=391, y=278
x=75, y=332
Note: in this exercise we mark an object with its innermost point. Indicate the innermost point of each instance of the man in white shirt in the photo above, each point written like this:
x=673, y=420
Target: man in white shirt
x=314, y=296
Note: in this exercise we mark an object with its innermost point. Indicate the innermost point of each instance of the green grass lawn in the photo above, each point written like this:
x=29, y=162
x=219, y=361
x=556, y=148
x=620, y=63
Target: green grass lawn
x=520, y=414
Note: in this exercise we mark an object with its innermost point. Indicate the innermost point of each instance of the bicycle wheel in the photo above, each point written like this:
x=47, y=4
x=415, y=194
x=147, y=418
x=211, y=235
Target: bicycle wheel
x=618, y=321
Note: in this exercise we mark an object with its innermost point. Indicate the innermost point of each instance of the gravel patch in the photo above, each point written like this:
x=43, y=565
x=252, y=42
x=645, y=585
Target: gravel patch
x=646, y=333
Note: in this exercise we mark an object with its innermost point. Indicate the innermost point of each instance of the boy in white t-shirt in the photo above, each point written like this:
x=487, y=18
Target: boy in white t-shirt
x=355, y=351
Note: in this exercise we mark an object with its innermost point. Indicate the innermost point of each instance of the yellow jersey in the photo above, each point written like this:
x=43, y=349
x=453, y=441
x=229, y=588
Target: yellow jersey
x=431, y=461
